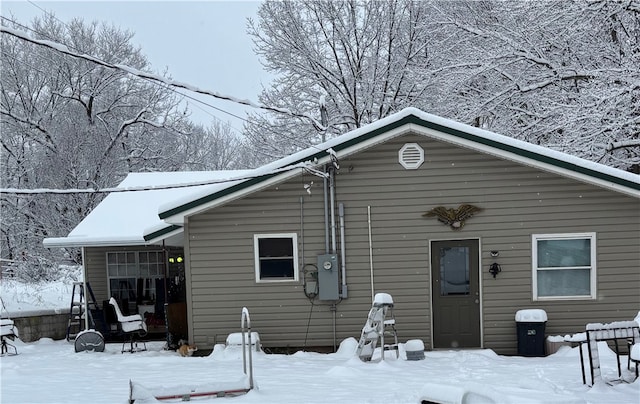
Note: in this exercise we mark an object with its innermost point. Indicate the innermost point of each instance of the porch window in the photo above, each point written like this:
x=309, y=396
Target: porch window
x=276, y=257
x=132, y=276
x=564, y=266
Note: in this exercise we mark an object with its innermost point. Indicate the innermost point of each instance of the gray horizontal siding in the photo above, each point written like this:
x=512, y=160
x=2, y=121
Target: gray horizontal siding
x=517, y=201
x=95, y=264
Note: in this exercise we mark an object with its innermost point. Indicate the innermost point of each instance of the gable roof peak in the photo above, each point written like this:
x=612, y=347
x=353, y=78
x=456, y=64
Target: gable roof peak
x=422, y=123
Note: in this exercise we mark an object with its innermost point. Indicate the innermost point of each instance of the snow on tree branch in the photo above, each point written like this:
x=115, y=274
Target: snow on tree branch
x=622, y=144
x=23, y=120
x=154, y=77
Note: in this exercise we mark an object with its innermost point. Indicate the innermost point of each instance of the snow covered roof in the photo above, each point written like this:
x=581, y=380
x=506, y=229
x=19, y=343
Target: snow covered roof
x=416, y=121
x=155, y=204
x=131, y=218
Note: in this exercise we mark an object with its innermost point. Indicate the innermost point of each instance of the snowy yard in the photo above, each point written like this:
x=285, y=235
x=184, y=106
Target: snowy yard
x=51, y=372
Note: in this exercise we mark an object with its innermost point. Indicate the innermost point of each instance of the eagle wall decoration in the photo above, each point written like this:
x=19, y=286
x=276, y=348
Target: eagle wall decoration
x=453, y=217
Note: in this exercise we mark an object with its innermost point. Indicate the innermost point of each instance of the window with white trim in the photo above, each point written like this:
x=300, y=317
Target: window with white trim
x=132, y=275
x=564, y=266
x=276, y=257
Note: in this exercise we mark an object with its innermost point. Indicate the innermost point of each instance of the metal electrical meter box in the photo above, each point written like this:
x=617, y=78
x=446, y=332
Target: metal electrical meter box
x=328, y=277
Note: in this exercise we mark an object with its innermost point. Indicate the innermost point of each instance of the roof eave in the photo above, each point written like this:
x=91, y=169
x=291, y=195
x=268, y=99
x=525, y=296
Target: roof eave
x=177, y=214
x=67, y=242
x=432, y=129
x=152, y=237
x=162, y=234
x=533, y=159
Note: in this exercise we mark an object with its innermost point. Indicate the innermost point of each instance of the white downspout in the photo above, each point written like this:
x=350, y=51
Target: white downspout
x=370, y=250
x=326, y=214
x=332, y=200
x=342, y=250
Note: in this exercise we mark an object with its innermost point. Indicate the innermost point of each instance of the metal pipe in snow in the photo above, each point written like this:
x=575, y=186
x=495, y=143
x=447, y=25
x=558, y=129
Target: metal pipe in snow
x=334, y=309
x=247, y=330
x=326, y=215
x=188, y=396
x=302, y=226
x=342, y=250
x=370, y=250
x=332, y=186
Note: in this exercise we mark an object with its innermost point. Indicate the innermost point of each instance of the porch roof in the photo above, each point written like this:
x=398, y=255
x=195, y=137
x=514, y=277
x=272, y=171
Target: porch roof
x=126, y=217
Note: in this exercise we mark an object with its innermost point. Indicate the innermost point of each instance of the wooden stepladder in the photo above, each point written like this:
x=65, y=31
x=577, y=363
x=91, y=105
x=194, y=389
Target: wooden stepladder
x=380, y=323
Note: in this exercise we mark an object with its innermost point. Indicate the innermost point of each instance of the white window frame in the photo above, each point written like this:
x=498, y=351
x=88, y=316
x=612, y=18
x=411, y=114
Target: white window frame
x=139, y=269
x=563, y=236
x=256, y=252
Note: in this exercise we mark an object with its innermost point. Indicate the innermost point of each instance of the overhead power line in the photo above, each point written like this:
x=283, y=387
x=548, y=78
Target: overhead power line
x=154, y=77
x=198, y=101
x=306, y=166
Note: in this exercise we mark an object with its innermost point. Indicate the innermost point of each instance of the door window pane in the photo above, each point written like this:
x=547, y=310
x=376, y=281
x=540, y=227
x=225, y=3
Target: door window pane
x=454, y=271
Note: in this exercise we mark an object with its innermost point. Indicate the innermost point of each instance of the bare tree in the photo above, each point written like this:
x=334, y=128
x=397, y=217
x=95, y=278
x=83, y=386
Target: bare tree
x=562, y=74
x=70, y=123
x=361, y=57
x=215, y=147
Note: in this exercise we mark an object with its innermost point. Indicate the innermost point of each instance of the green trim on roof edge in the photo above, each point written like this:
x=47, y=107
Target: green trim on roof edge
x=161, y=232
x=411, y=119
x=214, y=196
x=256, y=180
x=531, y=155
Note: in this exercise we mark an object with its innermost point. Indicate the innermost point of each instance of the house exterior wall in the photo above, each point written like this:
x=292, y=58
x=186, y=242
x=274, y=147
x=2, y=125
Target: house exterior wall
x=95, y=266
x=517, y=201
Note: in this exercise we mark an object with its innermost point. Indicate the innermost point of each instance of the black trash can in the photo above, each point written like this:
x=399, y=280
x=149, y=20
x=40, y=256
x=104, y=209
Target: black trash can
x=530, y=325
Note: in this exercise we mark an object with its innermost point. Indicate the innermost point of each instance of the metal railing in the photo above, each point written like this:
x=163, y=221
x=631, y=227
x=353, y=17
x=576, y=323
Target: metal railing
x=246, y=345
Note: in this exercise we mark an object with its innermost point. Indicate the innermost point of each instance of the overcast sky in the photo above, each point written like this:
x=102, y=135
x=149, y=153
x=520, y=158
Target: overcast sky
x=202, y=43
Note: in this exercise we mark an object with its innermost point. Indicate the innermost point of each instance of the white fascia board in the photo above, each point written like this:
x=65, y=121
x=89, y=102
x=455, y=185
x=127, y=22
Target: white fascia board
x=62, y=242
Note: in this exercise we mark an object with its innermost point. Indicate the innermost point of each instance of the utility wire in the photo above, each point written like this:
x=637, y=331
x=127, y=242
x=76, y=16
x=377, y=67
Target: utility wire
x=161, y=81
x=51, y=14
x=154, y=82
x=145, y=75
x=306, y=166
x=154, y=78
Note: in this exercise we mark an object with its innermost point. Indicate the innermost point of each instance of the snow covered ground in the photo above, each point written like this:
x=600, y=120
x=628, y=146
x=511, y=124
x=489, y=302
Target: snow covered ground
x=22, y=299
x=51, y=372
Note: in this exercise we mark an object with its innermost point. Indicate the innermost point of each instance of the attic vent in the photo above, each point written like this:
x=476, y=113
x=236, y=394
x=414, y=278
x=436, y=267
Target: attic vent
x=411, y=156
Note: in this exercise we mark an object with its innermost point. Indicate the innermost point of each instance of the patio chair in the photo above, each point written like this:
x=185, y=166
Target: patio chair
x=8, y=331
x=130, y=326
x=634, y=356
